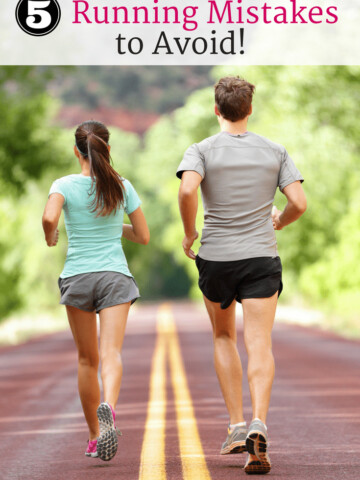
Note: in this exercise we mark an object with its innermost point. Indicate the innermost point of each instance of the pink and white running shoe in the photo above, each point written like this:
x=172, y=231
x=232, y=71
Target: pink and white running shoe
x=91, y=450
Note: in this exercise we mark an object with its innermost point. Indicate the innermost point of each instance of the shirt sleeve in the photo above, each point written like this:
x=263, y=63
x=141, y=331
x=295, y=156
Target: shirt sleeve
x=288, y=172
x=132, y=200
x=193, y=160
x=58, y=187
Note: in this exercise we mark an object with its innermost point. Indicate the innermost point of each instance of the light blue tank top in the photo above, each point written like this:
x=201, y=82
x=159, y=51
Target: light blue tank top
x=94, y=243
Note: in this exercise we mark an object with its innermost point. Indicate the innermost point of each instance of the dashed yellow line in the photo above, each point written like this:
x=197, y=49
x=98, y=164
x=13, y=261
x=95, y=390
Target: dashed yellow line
x=153, y=451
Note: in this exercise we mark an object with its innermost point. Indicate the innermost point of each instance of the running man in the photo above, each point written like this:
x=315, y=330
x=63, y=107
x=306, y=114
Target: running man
x=96, y=277
x=238, y=172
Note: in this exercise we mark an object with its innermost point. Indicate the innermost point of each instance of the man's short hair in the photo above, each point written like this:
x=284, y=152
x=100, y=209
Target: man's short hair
x=233, y=97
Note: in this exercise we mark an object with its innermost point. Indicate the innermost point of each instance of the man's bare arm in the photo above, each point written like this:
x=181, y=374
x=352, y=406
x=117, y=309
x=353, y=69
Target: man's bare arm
x=295, y=207
x=188, y=204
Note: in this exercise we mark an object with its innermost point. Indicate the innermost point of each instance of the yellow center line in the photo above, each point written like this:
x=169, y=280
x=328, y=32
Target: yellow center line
x=152, y=465
x=192, y=455
x=193, y=461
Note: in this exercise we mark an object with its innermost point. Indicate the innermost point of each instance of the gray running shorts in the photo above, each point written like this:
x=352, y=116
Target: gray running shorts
x=97, y=290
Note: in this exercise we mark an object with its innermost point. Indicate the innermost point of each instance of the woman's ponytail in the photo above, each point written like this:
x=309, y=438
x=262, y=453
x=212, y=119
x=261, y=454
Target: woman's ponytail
x=92, y=142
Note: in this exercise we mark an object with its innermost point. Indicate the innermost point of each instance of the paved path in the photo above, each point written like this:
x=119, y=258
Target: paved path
x=171, y=412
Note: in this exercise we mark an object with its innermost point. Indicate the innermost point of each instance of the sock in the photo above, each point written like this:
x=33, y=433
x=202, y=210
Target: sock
x=240, y=424
x=260, y=421
x=112, y=411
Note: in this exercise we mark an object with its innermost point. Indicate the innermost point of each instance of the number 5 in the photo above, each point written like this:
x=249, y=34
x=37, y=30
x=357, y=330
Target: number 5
x=36, y=7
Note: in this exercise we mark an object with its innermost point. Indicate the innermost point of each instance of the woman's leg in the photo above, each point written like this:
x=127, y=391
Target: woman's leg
x=84, y=330
x=112, y=331
x=226, y=357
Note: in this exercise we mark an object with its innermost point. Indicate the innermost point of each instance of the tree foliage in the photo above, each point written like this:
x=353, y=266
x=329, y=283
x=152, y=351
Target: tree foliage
x=312, y=111
x=29, y=147
x=147, y=88
x=28, y=142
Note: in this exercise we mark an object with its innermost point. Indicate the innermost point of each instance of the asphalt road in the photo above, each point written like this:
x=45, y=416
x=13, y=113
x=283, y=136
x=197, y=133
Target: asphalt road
x=170, y=410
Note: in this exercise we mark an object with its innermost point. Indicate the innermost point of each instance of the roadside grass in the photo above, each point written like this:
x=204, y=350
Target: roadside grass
x=23, y=326
x=20, y=327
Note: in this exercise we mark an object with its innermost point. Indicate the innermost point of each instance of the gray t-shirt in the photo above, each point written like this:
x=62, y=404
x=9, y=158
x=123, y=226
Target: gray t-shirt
x=240, y=175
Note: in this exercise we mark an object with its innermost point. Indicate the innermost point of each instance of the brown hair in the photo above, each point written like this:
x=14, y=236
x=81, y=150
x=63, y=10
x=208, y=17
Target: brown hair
x=92, y=142
x=233, y=97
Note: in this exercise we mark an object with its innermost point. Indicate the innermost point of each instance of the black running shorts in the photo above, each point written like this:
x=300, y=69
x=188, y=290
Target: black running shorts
x=222, y=282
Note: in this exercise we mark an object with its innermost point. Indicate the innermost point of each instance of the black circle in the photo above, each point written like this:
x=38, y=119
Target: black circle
x=24, y=14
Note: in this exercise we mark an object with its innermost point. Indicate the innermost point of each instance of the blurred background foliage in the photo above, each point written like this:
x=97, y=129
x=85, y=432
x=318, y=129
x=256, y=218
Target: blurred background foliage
x=148, y=89
x=312, y=111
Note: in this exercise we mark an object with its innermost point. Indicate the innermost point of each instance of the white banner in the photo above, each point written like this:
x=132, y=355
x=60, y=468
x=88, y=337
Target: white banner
x=173, y=32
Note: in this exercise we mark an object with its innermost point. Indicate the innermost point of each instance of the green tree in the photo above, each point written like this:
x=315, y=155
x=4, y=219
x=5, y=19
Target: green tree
x=29, y=146
x=28, y=141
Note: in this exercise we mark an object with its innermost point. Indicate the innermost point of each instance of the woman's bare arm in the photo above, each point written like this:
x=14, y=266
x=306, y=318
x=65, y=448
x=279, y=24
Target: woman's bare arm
x=50, y=218
x=138, y=231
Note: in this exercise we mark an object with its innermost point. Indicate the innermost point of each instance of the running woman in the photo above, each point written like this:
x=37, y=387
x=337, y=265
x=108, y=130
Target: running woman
x=238, y=172
x=96, y=277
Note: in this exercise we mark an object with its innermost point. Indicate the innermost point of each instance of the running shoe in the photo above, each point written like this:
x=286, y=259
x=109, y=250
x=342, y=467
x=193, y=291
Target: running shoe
x=91, y=449
x=235, y=441
x=107, y=443
x=256, y=444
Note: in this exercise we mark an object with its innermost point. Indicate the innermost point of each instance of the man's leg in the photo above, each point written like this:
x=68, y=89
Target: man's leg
x=259, y=314
x=226, y=357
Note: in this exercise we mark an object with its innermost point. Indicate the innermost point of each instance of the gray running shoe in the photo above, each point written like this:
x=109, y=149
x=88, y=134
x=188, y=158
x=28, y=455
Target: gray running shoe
x=107, y=443
x=235, y=441
x=256, y=444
